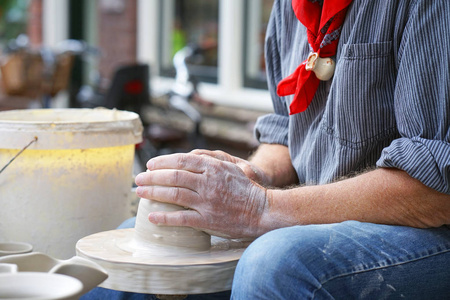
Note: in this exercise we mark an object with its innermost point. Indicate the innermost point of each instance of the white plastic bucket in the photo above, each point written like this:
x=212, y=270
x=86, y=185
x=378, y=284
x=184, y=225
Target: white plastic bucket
x=73, y=181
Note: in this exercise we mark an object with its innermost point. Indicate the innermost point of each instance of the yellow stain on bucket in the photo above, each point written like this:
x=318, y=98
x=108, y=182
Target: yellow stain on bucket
x=63, y=166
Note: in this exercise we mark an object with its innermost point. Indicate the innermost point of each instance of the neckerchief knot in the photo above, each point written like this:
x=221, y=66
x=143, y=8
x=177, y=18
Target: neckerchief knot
x=323, y=21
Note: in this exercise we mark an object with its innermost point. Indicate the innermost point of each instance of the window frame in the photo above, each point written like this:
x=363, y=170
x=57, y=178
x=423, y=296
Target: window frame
x=229, y=89
x=251, y=38
x=201, y=73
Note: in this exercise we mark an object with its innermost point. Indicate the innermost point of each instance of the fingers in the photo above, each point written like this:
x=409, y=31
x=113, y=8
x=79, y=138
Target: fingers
x=180, y=161
x=171, y=186
x=190, y=218
x=197, y=161
x=248, y=170
x=177, y=178
x=202, y=152
x=175, y=195
x=217, y=154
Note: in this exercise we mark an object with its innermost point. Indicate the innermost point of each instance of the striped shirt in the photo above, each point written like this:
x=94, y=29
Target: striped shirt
x=388, y=104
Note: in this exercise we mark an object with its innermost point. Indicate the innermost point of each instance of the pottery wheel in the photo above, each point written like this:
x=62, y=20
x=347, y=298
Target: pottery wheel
x=167, y=260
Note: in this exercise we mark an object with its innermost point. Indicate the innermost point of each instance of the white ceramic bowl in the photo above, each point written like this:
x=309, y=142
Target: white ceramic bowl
x=10, y=248
x=38, y=286
x=89, y=273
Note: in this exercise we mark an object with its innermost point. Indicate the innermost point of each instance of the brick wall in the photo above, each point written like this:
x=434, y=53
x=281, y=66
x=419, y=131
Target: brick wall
x=34, y=26
x=117, y=26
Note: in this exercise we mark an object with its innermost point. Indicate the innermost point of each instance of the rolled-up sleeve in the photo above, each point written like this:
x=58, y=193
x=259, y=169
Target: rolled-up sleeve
x=422, y=98
x=273, y=128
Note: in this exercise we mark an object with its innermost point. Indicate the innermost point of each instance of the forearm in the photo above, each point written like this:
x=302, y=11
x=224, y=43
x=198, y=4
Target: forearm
x=385, y=196
x=275, y=162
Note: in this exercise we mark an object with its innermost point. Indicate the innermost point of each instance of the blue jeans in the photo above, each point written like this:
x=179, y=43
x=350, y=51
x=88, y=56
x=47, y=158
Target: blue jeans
x=349, y=260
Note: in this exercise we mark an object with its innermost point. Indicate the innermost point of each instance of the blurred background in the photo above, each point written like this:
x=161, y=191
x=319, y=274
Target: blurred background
x=41, y=68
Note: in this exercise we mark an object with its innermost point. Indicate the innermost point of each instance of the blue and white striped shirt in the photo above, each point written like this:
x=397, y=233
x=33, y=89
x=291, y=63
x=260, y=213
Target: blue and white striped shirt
x=388, y=104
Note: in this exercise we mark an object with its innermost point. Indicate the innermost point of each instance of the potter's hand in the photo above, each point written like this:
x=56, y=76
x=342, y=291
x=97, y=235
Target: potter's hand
x=221, y=199
x=250, y=170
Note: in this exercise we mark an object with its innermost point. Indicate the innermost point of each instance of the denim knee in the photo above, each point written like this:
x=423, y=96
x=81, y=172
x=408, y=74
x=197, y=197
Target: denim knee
x=347, y=260
x=275, y=266
x=128, y=223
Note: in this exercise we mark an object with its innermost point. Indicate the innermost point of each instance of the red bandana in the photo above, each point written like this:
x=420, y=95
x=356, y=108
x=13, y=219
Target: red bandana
x=323, y=20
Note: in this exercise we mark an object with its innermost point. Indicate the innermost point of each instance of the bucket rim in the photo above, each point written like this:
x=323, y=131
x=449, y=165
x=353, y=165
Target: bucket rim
x=71, y=128
x=119, y=115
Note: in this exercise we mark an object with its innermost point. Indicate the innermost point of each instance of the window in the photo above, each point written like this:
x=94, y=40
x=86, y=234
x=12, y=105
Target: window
x=190, y=22
x=257, y=13
x=231, y=75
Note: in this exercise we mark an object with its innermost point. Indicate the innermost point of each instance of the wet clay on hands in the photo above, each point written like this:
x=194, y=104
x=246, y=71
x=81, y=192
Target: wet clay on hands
x=221, y=199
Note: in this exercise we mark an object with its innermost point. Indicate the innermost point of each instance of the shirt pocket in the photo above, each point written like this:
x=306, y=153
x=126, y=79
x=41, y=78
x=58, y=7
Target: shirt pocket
x=360, y=105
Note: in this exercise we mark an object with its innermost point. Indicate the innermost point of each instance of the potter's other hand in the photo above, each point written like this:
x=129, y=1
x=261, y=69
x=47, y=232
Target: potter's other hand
x=221, y=199
x=250, y=170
